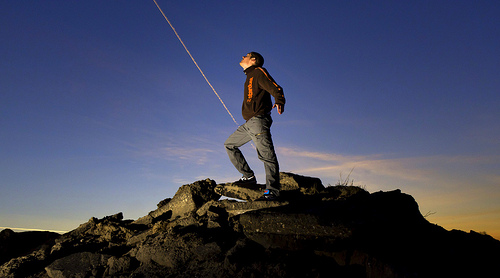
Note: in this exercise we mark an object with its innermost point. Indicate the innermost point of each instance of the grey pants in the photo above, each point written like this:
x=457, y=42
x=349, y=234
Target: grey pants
x=256, y=129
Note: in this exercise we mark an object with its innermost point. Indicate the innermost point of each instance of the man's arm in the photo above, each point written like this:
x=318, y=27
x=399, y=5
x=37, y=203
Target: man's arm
x=268, y=84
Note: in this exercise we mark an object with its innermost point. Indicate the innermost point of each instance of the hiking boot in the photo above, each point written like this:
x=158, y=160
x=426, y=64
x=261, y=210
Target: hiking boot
x=246, y=181
x=269, y=195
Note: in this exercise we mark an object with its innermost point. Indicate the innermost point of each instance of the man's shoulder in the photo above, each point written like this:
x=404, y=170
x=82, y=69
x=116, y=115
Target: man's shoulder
x=261, y=71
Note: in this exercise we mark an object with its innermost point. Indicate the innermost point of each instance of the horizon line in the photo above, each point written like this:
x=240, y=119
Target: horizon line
x=33, y=230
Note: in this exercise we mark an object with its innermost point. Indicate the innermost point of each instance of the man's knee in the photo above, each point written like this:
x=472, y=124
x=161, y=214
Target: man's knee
x=230, y=147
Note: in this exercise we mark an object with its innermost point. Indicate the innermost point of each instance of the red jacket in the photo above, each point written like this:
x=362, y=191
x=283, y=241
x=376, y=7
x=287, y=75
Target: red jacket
x=259, y=87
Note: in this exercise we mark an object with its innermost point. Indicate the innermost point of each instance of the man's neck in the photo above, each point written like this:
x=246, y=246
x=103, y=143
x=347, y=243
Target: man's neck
x=252, y=66
x=245, y=66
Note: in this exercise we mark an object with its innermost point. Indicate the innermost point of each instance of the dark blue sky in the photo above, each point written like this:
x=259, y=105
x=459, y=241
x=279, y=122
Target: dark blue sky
x=102, y=110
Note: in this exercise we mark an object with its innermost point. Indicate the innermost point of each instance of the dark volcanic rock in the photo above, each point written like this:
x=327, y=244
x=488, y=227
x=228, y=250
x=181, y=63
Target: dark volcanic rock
x=19, y=244
x=242, y=192
x=107, y=233
x=312, y=231
x=21, y=253
x=187, y=200
x=84, y=264
x=291, y=184
x=306, y=185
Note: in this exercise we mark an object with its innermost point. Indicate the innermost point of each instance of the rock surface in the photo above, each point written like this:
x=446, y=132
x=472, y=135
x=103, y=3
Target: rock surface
x=313, y=231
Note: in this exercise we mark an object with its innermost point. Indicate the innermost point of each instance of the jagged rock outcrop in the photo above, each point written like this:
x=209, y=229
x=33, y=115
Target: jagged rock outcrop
x=313, y=231
x=290, y=183
x=19, y=244
x=21, y=252
x=185, y=201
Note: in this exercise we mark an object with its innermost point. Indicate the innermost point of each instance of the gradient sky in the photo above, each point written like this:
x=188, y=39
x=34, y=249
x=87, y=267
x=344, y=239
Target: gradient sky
x=102, y=110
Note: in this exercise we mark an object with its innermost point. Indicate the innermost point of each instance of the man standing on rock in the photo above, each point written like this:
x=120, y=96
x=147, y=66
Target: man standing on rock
x=256, y=110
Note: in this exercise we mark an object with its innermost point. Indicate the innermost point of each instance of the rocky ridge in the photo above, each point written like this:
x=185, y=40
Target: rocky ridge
x=314, y=231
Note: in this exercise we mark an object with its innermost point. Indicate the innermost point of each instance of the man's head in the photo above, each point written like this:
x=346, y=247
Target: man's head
x=252, y=59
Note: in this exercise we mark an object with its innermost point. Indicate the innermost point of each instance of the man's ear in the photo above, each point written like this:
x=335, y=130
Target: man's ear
x=253, y=60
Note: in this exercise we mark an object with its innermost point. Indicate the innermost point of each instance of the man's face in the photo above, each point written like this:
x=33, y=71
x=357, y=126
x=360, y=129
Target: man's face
x=247, y=61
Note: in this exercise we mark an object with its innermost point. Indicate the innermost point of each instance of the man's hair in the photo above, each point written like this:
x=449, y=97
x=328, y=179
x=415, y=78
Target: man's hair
x=259, y=60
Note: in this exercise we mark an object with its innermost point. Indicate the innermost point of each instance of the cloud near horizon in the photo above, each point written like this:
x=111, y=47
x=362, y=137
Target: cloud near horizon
x=411, y=169
x=377, y=165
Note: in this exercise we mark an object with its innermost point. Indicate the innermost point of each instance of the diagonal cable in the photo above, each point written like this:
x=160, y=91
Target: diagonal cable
x=189, y=53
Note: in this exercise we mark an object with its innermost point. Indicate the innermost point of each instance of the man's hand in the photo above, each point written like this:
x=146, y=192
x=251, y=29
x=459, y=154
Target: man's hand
x=280, y=107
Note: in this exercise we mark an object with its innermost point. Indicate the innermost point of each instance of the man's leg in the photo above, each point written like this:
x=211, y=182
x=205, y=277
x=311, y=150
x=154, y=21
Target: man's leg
x=259, y=128
x=232, y=144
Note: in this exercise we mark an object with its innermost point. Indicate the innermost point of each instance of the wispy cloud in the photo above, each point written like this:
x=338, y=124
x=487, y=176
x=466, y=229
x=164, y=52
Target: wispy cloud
x=158, y=145
x=333, y=164
x=422, y=168
x=199, y=156
x=426, y=175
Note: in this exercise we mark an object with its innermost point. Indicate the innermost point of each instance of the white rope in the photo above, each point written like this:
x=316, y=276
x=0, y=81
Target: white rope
x=195, y=62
